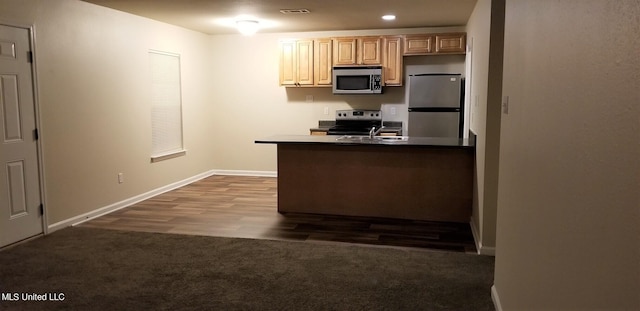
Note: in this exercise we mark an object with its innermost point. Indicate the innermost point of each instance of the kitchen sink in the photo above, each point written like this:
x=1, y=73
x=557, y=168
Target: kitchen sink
x=350, y=138
x=375, y=139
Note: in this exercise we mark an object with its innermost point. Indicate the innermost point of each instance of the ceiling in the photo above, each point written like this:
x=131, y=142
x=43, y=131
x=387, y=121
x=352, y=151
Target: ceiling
x=215, y=16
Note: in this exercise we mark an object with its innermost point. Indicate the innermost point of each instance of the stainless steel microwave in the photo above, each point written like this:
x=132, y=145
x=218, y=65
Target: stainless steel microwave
x=357, y=80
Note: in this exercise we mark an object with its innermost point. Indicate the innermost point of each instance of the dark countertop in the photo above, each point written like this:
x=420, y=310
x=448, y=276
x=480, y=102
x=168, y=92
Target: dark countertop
x=442, y=142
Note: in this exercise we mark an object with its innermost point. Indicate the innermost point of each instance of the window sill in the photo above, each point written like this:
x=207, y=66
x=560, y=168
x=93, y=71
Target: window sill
x=167, y=156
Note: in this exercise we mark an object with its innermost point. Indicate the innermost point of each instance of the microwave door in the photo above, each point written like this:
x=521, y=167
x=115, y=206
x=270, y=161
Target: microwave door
x=354, y=83
x=357, y=80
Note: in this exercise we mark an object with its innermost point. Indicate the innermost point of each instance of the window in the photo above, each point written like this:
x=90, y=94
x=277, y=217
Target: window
x=166, y=106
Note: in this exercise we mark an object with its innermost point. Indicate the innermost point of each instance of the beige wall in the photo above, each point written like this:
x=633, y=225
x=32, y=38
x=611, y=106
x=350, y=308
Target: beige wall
x=484, y=62
x=568, y=235
x=92, y=71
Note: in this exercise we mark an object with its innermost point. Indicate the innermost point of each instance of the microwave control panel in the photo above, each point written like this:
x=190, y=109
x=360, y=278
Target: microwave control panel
x=376, y=82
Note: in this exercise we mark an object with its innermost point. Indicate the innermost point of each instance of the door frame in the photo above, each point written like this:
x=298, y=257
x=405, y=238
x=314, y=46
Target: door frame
x=36, y=103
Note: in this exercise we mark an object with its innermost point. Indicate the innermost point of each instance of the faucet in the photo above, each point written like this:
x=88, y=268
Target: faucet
x=374, y=131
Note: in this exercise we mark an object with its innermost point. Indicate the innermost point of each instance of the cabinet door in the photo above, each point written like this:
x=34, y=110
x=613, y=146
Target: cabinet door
x=369, y=50
x=450, y=43
x=288, y=70
x=418, y=44
x=304, y=51
x=323, y=61
x=344, y=51
x=392, y=60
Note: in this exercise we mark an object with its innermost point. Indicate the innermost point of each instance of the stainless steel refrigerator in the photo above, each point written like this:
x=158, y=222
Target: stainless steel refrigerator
x=435, y=105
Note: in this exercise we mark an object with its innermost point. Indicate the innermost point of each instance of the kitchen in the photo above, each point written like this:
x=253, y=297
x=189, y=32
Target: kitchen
x=91, y=132
x=347, y=169
x=367, y=66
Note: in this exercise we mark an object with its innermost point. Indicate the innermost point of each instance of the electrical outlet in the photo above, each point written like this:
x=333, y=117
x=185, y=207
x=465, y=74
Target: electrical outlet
x=393, y=111
x=309, y=98
x=120, y=178
x=326, y=110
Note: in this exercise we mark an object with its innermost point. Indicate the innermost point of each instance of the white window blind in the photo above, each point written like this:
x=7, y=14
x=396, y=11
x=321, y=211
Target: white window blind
x=166, y=106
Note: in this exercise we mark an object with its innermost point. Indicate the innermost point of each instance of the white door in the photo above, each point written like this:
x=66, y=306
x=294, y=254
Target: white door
x=20, y=211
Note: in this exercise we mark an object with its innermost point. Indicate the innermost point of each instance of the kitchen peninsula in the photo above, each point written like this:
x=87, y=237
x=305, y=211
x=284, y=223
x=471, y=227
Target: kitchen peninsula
x=417, y=178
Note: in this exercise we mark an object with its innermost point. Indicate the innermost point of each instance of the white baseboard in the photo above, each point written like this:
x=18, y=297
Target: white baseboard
x=124, y=203
x=133, y=200
x=495, y=298
x=246, y=173
x=482, y=250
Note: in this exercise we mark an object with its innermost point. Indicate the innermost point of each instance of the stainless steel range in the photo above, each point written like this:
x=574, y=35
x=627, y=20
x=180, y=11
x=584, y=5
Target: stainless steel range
x=356, y=122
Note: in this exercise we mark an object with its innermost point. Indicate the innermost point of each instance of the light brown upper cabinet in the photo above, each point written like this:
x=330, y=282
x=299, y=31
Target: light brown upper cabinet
x=288, y=63
x=296, y=62
x=392, y=60
x=357, y=51
x=323, y=61
x=451, y=43
x=370, y=50
x=418, y=44
x=344, y=51
x=305, y=62
x=442, y=43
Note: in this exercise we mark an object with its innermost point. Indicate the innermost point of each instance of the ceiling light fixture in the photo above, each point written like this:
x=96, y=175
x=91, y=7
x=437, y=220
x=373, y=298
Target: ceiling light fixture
x=248, y=24
x=247, y=27
x=388, y=17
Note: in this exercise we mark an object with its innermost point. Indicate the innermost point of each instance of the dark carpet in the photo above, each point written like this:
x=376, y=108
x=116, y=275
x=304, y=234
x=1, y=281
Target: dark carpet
x=97, y=269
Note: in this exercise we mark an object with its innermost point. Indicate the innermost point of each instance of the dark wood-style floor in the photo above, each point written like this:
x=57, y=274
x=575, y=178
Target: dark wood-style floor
x=246, y=207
